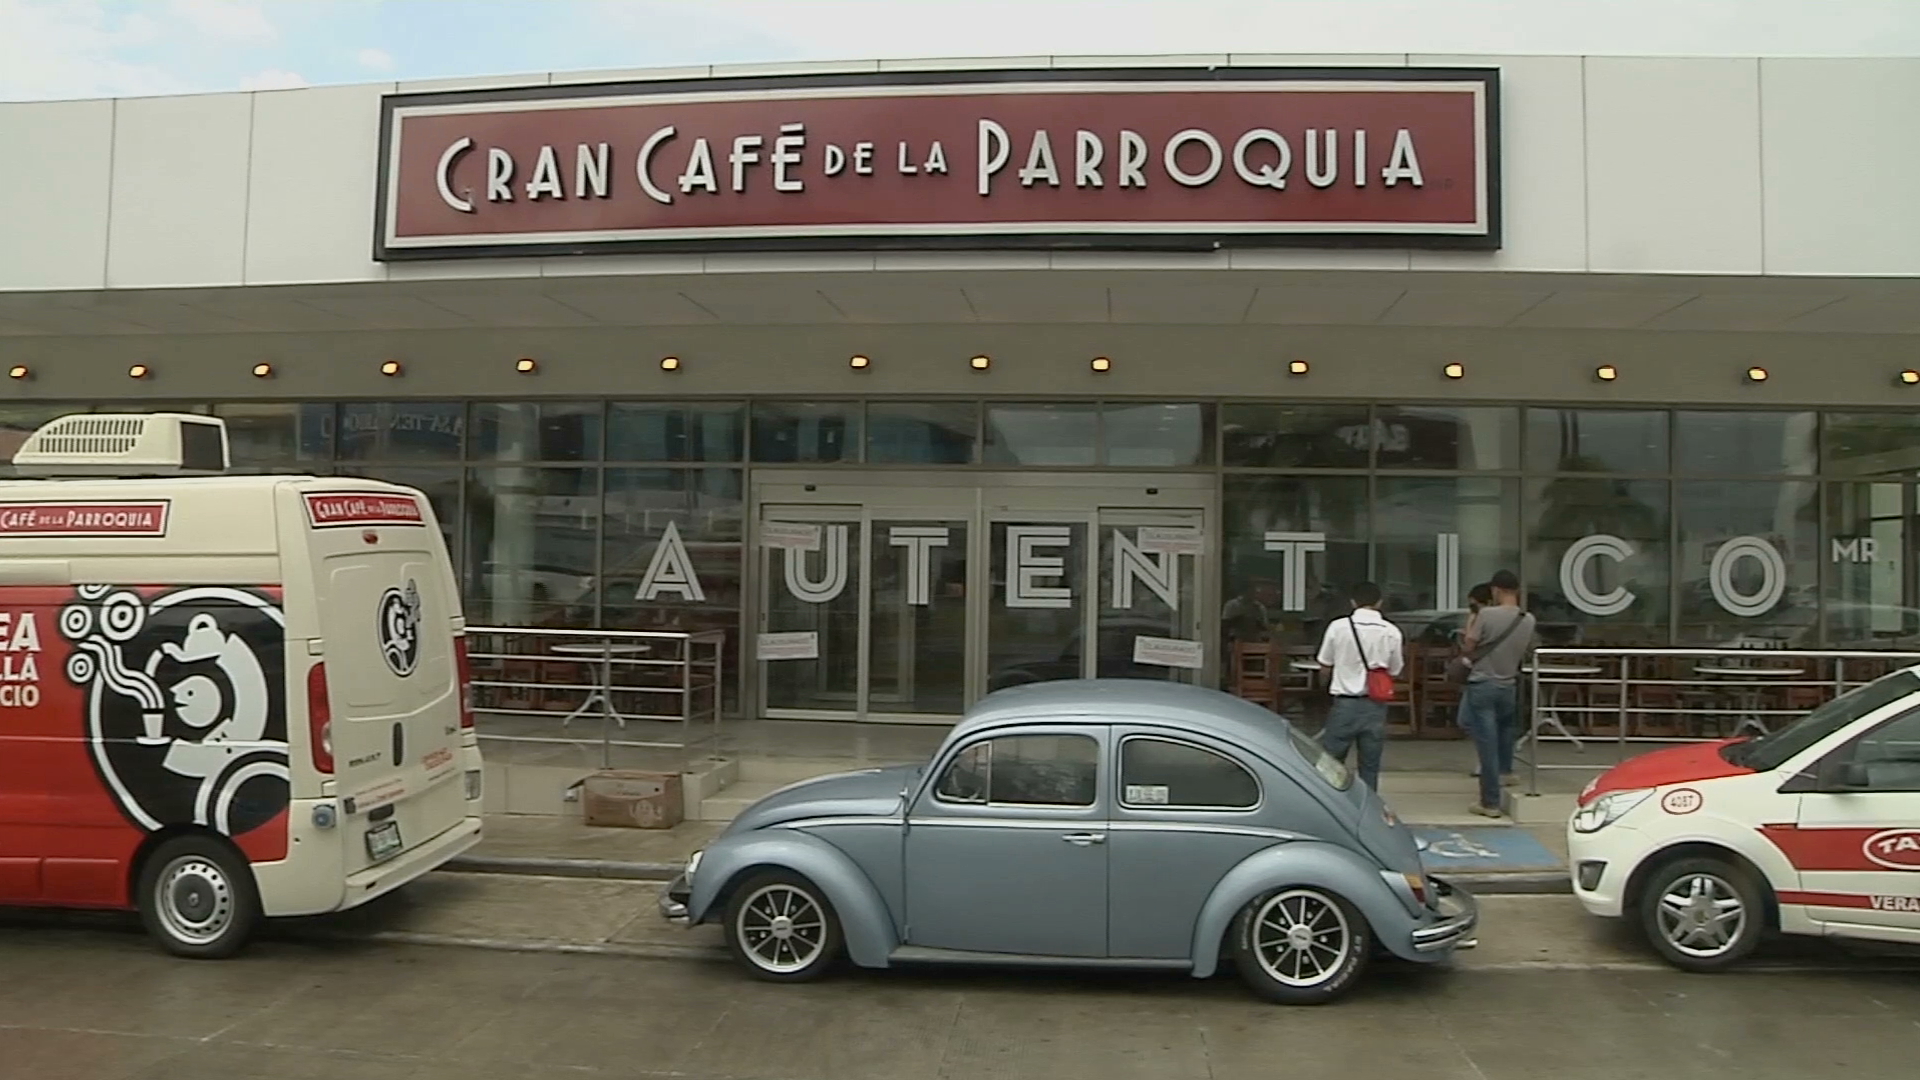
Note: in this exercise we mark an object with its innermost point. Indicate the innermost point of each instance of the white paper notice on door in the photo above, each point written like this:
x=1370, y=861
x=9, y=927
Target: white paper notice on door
x=790, y=534
x=796, y=645
x=1168, y=652
x=1170, y=540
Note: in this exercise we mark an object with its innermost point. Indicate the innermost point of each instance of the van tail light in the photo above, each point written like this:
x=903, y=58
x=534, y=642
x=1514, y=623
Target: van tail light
x=464, y=672
x=319, y=719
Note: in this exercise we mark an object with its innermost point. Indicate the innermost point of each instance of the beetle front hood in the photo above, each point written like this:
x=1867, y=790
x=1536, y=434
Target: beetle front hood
x=865, y=793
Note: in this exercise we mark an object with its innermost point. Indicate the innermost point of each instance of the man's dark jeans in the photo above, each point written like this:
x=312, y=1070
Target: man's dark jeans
x=1490, y=713
x=1361, y=722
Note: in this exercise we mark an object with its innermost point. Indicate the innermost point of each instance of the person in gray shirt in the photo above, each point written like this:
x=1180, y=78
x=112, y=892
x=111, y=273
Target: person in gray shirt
x=1497, y=641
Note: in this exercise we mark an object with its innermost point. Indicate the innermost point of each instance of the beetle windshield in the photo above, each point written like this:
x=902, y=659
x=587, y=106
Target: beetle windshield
x=1331, y=769
x=1776, y=748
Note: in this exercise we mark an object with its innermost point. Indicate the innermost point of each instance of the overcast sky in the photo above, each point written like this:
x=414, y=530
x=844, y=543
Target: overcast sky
x=85, y=48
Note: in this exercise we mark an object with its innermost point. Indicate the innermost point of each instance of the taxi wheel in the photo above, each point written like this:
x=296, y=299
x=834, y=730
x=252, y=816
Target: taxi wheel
x=1702, y=914
x=1301, y=946
x=197, y=899
x=781, y=928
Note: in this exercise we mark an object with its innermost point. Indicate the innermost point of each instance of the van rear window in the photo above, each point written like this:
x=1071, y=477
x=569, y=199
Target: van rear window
x=203, y=447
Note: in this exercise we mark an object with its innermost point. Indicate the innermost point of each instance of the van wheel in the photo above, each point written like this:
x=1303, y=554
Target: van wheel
x=1301, y=946
x=782, y=928
x=197, y=899
x=1702, y=914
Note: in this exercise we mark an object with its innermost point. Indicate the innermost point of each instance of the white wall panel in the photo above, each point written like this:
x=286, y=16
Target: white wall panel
x=179, y=191
x=1543, y=178
x=311, y=186
x=53, y=194
x=1673, y=165
x=1841, y=152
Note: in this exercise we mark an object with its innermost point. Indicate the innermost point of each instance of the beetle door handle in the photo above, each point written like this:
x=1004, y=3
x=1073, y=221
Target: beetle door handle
x=1084, y=839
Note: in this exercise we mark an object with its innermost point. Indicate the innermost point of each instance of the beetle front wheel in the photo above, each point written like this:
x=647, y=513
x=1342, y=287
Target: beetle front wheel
x=1301, y=946
x=781, y=927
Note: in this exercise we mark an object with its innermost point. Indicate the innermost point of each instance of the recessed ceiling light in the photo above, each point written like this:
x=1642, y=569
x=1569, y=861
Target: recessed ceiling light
x=526, y=365
x=390, y=368
x=263, y=371
x=1454, y=371
x=1756, y=374
x=1910, y=377
x=1296, y=367
x=1606, y=373
x=858, y=362
x=139, y=371
x=19, y=371
x=669, y=363
x=981, y=362
x=1101, y=363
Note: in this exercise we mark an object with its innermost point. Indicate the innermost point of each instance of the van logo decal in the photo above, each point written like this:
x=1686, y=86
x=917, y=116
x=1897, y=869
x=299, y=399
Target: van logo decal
x=341, y=509
x=399, y=631
x=186, y=706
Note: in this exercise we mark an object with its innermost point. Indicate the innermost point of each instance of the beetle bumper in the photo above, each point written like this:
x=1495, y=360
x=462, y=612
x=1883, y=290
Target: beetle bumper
x=673, y=901
x=1459, y=915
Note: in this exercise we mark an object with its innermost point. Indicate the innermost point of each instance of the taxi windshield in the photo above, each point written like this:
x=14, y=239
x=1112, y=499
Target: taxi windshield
x=1776, y=748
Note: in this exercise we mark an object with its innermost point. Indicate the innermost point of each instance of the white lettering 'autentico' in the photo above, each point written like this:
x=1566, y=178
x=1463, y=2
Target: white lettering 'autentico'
x=833, y=568
x=1027, y=567
x=671, y=571
x=1773, y=576
x=1573, y=575
x=919, y=542
x=1294, y=547
x=443, y=175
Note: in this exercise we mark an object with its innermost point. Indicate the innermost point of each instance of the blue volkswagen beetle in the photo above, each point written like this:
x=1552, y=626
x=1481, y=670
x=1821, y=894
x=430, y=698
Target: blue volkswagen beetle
x=1108, y=822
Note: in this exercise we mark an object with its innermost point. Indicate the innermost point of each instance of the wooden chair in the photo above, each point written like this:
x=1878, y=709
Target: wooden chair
x=1256, y=673
x=1439, y=698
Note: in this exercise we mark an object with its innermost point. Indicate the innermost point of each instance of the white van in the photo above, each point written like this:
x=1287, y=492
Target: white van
x=222, y=697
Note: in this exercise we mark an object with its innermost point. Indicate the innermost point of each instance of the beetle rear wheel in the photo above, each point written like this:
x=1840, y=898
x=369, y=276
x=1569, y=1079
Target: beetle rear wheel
x=782, y=928
x=1301, y=946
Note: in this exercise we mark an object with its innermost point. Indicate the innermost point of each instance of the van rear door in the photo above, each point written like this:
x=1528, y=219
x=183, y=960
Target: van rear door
x=392, y=685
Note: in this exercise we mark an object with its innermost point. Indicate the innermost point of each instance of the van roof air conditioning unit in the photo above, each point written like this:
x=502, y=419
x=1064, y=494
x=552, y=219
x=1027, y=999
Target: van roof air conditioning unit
x=125, y=445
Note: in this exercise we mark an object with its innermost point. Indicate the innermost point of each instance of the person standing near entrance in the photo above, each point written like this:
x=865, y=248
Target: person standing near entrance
x=1497, y=642
x=1352, y=647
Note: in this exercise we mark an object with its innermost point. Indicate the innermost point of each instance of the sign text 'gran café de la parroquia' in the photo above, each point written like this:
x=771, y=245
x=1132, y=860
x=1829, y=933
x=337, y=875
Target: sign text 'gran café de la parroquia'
x=1066, y=159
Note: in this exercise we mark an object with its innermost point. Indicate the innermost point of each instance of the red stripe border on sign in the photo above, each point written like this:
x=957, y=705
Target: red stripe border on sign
x=12, y=525
x=387, y=511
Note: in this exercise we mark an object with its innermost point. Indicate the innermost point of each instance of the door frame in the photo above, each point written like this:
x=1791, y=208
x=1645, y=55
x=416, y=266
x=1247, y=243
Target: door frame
x=984, y=496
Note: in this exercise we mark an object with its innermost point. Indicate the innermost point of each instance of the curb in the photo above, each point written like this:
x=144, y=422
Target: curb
x=613, y=869
x=1528, y=883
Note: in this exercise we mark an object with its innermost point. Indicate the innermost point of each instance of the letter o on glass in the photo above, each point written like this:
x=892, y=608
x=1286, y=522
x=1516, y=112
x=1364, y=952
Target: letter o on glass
x=1573, y=575
x=1773, y=576
x=1171, y=158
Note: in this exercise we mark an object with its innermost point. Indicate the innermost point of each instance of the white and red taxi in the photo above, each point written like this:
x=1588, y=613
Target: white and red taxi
x=1812, y=829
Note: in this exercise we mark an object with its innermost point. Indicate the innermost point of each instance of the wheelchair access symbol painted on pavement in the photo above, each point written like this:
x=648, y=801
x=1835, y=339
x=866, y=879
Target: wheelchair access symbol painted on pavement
x=1483, y=849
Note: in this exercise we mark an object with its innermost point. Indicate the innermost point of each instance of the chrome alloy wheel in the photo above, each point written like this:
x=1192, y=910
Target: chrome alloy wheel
x=195, y=901
x=781, y=929
x=1301, y=937
x=1701, y=915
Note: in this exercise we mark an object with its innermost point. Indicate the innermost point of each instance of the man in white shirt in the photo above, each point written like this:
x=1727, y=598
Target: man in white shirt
x=1363, y=640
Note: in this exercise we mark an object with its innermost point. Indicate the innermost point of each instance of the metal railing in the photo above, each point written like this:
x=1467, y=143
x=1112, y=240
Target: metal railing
x=648, y=690
x=1579, y=697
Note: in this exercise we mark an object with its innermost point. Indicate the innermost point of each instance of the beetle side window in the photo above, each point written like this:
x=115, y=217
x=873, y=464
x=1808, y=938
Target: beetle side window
x=1024, y=770
x=1157, y=773
x=1888, y=757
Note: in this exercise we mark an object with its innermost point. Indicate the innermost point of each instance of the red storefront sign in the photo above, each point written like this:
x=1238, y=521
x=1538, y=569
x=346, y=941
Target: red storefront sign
x=1183, y=159
x=332, y=510
x=103, y=518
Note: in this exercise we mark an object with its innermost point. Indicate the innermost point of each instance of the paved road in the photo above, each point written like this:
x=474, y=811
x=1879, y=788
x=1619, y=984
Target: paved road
x=78, y=1003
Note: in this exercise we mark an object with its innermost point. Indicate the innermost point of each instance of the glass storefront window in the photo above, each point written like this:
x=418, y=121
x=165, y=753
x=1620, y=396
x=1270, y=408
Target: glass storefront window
x=922, y=432
x=1295, y=436
x=1744, y=443
x=1748, y=563
x=1291, y=548
x=402, y=431
x=1162, y=436
x=530, y=545
x=1437, y=537
x=1446, y=437
x=1596, y=560
x=1055, y=435
x=1870, y=444
x=793, y=431
x=444, y=493
x=535, y=431
x=1597, y=440
x=1869, y=589
x=266, y=436
x=676, y=431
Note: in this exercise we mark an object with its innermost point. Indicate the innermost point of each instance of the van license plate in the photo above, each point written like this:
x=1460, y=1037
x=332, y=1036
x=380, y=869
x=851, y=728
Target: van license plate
x=383, y=841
